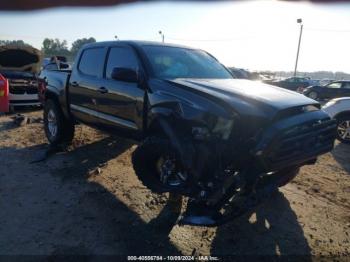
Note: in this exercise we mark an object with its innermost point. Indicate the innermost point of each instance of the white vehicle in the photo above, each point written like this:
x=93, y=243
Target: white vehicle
x=20, y=64
x=339, y=109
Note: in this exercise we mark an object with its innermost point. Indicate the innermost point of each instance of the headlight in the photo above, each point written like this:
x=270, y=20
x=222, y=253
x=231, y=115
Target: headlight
x=223, y=127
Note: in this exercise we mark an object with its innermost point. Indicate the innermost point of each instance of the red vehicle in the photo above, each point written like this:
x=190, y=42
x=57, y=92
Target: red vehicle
x=20, y=66
x=4, y=94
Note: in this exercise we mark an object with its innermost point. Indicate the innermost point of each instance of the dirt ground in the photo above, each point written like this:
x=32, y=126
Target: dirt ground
x=88, y=201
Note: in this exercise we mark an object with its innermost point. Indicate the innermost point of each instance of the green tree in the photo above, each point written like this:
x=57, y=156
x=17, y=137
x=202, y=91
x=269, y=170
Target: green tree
x=14, y=42
x=77, y=44
x=55, y=46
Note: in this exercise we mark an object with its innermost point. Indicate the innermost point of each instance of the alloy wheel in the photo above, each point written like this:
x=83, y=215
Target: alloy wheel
x=52, y=123
x=170, y=173
x=344, y=130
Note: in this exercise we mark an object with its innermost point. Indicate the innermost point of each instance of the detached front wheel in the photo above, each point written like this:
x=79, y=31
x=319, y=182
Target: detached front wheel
x=58, y=128
x=158, y=167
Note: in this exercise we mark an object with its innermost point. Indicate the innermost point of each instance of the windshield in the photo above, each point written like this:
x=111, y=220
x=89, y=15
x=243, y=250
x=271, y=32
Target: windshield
x=174, y=62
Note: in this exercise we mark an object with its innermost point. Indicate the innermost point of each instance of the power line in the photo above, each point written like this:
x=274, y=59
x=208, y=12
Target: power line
x=254, y=36
x=224, y=39
x=32, y=37
x=327, y=30
x=211, y=40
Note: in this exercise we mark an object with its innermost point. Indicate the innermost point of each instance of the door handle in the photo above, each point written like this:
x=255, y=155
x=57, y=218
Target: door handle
x=103, y=90
x=74, y=84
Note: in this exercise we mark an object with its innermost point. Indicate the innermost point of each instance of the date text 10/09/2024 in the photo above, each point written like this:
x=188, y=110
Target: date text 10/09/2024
x=172, y=258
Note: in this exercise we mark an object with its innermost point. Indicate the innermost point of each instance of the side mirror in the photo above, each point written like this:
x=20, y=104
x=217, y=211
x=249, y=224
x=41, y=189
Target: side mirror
x=124, y=74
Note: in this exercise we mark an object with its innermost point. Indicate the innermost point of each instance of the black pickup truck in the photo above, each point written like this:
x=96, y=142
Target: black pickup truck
x=225, y=143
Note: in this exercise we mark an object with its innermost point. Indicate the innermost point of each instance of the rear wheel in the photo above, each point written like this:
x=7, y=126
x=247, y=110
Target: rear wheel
x=58, y=128
x=343, y=129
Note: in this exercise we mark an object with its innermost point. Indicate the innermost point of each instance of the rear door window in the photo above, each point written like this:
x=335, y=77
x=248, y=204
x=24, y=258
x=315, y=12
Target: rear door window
x=91, y=61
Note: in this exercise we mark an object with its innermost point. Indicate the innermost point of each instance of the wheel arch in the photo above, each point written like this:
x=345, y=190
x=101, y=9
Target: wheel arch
x=52, y=96
x=156, y=115
x=342, y=114
x=55, y=96
x=165, y=122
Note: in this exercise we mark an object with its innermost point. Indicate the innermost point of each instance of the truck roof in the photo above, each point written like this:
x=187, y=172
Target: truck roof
x=137, y=43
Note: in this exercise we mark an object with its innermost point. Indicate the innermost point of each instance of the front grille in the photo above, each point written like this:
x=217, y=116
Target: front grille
x=32, y=101
x=21, y=89
x=295, y=140
x=301, y=142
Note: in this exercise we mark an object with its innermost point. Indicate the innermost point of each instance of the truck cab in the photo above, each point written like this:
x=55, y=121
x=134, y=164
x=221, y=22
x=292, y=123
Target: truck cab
x=98, y=97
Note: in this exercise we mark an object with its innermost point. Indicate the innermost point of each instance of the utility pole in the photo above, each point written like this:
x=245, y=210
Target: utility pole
x=162, y=35
x=299, y=21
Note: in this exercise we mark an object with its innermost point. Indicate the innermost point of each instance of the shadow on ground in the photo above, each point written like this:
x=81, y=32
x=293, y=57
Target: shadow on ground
x=80, y=217
x=51, y=208
x=272, y=229
x=341, y=154
x=119, y=222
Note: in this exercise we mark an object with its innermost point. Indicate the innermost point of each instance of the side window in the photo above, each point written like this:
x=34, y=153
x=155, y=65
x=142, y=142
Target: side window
x=120, y=57
x=91, y=61
x=334, y=85
x=346, y=85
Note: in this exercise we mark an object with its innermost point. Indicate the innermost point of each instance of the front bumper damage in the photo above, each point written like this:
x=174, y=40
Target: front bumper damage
x=295, y=141
x=290, y=142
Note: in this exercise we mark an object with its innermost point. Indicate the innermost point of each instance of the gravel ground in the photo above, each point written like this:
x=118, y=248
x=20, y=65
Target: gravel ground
x=88, y=201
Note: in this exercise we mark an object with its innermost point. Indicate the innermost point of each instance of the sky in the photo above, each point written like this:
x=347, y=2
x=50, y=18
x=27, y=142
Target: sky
x=255, y=35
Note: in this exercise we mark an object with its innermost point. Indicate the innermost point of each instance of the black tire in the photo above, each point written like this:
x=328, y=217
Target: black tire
x=65, y=128
x=280, y=178
x=341, y=120
x=144, y=160
x=287, y=175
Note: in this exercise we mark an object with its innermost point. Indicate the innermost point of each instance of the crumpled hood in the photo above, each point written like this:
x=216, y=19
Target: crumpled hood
x=20, y=58
x=248, y=94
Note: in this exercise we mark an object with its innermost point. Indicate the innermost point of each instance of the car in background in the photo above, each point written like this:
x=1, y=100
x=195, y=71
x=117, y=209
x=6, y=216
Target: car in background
x=240, y=73
x=325, y=81
x=20, y=65
x=291, y=83
x=55, y=63
x=333, y=90
x=339, y=109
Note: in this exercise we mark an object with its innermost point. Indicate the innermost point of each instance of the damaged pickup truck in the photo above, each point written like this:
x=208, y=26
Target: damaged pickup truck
x=20, y=66
x=226, y=144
